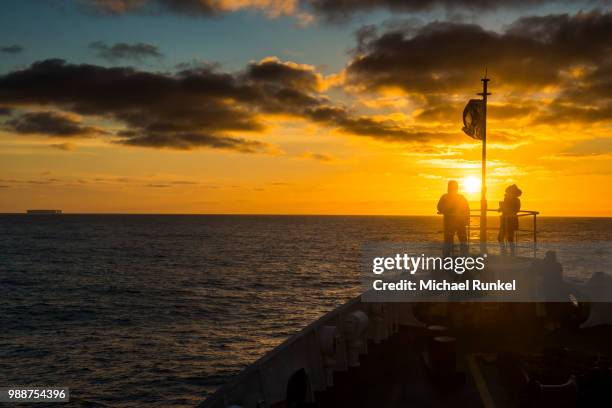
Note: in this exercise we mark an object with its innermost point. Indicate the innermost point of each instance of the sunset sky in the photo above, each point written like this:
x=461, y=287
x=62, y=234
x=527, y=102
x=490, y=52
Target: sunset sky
x=301, y=106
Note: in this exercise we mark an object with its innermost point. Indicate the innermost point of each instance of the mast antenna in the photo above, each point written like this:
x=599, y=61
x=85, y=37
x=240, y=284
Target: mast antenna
x=483, y=188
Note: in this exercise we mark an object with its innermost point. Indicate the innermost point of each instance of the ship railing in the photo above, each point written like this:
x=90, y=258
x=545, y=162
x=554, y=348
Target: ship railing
x=525, y=236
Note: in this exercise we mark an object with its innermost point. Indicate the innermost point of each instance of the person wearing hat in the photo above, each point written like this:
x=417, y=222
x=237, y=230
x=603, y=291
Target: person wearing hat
x=508, y=221
x=456, y=211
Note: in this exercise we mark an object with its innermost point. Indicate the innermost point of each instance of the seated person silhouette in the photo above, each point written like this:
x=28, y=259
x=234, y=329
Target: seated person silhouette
x=456, y=211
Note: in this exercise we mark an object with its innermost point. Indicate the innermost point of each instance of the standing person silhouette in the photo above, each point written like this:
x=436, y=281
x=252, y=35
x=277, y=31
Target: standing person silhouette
x=456, y=211
x=508, y=221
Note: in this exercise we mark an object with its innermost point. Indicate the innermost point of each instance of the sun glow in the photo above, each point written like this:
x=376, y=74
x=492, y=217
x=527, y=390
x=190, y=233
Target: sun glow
x=470, y=184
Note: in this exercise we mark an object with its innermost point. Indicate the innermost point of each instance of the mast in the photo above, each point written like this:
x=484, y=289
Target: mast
x=483, y=185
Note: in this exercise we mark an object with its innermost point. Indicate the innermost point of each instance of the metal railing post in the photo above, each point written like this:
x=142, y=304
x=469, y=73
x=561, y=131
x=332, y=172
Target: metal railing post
x=469, y=231
x=535, y=236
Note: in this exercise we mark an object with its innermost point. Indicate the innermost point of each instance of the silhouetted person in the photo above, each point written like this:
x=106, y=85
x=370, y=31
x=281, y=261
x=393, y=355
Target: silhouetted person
x=508, y=221
x=552, y=290
x=456, y=211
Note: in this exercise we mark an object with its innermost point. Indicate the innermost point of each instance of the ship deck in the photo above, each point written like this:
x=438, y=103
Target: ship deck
x=394, y=373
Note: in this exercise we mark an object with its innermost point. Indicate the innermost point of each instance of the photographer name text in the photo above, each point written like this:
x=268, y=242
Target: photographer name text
x=443, y=285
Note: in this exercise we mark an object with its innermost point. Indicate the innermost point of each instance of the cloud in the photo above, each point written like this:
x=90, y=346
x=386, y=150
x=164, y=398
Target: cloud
x=199, y=107
x=291, y=88
x=154, y=108
x=316, y=156
x=590, y=147
x=123, y=51
x=51, y=124
x=12, y=49
x=564, y=56
x=547, y=70
x=288, y=74
x=306, y=10
x=445, y=57
x=334, y=10
x=114, y=6
x=272, y=8
x=66, y=147
x=363, y=125
x=207, y=8
x=442, y=58
x=190, y=141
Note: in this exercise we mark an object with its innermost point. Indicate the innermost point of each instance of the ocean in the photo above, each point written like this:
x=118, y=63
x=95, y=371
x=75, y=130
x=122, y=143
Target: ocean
x=159, y=310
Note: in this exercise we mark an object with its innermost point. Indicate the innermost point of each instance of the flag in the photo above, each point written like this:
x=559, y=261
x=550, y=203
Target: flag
x=473, y=116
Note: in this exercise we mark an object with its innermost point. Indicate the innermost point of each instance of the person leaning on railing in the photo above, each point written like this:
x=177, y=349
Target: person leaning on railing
x=508, y=222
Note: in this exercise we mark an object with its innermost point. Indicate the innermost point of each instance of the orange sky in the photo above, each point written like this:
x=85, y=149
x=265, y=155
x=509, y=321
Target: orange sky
x=356, y=176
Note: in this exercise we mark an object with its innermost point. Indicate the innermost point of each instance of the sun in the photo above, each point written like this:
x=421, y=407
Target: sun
x=470, y=184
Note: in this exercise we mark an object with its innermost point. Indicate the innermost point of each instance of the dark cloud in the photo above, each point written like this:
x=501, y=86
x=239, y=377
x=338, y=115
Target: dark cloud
x=50, y=124
x=5, y=111
x=192, y=108
x=330, y=10
x=282, y=87
x=190, y=141
x=366, y=126
x=438, y=60
x=190, y=7
x=12, y=49
x=338, y=10
x=446, y=57
x=273, y=71
x=124, y=51
x=155, y=108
